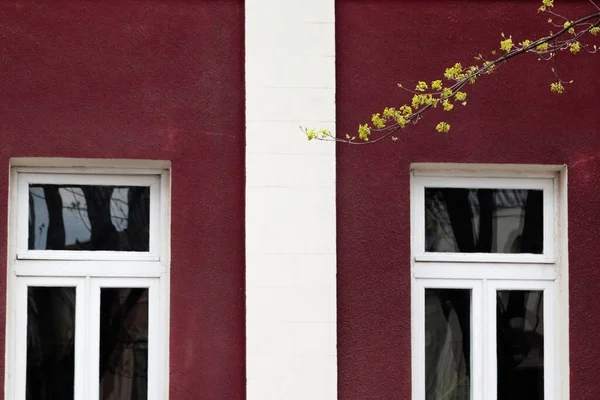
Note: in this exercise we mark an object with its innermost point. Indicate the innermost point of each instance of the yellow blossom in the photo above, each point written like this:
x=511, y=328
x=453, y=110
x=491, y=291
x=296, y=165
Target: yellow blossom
x=416, y=100
x=447, y=92
x=442, y=127
x=421, y=86
x=323, y=133
x=389, y=112
x=542, y=46
x=363, y=132
x=557, y=87
x=489, y=67
x=546, y=4
x=595, y=31
x=525, y=43
x=447, y=105
x=378, y=122
x=506, y=44
x=574, y=47
x=401, y=120
x=460, y=96
x=436, y=85
x=453, y=72
x=571, y=30
x=405, y=110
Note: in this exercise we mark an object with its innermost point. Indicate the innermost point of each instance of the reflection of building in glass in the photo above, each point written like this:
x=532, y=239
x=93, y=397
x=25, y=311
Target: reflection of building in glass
x=447, y=346
x=502, y=220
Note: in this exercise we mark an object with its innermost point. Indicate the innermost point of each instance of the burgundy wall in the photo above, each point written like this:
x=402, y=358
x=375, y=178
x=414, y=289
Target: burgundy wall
x=512, y=118
x=149, y=80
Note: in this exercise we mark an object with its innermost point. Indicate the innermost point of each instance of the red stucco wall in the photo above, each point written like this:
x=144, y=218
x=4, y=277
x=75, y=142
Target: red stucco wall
x=147, y=80
x=512, y=118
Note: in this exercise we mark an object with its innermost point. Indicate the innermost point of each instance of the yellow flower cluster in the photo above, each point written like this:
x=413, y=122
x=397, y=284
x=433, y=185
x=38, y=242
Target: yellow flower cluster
x=377, y=121
x=542, y=47
x=574, y=47
x=436, y=85
x=490, y=66
x=423, y=99
x=421, y=86
x=460, y=96
x=525, y=43
x=571, y=29
x=546, y=4
x=453, y=72
x=400, y=116
x=442, y=127
x=595, y=31
x=557, y=87
x=311, y=133
x=447, y=105
x=506, y=44
x=363, y=132
x=314, y=133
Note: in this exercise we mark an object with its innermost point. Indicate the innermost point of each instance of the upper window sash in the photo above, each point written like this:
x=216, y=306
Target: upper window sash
x=545, y=184
x=99, y=178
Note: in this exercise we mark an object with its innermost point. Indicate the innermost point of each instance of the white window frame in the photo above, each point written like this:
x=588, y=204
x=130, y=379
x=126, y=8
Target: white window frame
x=485, y=273
x=88, y=271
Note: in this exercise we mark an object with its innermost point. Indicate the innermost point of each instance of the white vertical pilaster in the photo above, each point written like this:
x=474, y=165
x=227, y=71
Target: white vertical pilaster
x=290, y=201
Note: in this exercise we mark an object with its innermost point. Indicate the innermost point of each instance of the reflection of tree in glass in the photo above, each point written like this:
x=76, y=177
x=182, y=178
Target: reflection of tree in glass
x=88, y=217
x=483, y=220
x=123, y=343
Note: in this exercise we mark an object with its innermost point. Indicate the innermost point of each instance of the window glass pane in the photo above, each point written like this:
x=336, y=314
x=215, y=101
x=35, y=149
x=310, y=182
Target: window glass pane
x=520, y=344
x=448, y=344
x=123, y=344
x=68, y=217
x=483, y=220
x=50, y=343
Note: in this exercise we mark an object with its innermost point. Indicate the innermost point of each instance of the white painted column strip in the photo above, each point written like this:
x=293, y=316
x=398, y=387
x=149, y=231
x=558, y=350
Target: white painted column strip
x=290, y=201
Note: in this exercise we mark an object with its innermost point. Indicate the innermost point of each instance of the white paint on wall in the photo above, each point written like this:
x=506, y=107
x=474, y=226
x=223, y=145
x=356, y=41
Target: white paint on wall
x=290, y=201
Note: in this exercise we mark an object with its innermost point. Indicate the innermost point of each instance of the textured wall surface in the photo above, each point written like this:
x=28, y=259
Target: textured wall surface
x=512, y=118
x=147, y=80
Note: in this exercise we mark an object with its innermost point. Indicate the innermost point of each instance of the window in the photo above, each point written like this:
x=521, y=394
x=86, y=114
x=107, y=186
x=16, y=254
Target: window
x=88, y=286
x=487, y=261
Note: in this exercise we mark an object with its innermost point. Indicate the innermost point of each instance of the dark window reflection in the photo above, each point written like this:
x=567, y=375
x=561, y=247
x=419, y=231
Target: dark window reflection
x=123, y=344
x=83, y=217
x=447, y=344
x=520, y=341
x=50, y=343
x=483, y=220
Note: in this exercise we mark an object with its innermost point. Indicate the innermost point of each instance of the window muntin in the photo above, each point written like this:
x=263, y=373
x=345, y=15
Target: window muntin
x=530, y=280
x=101, y=280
